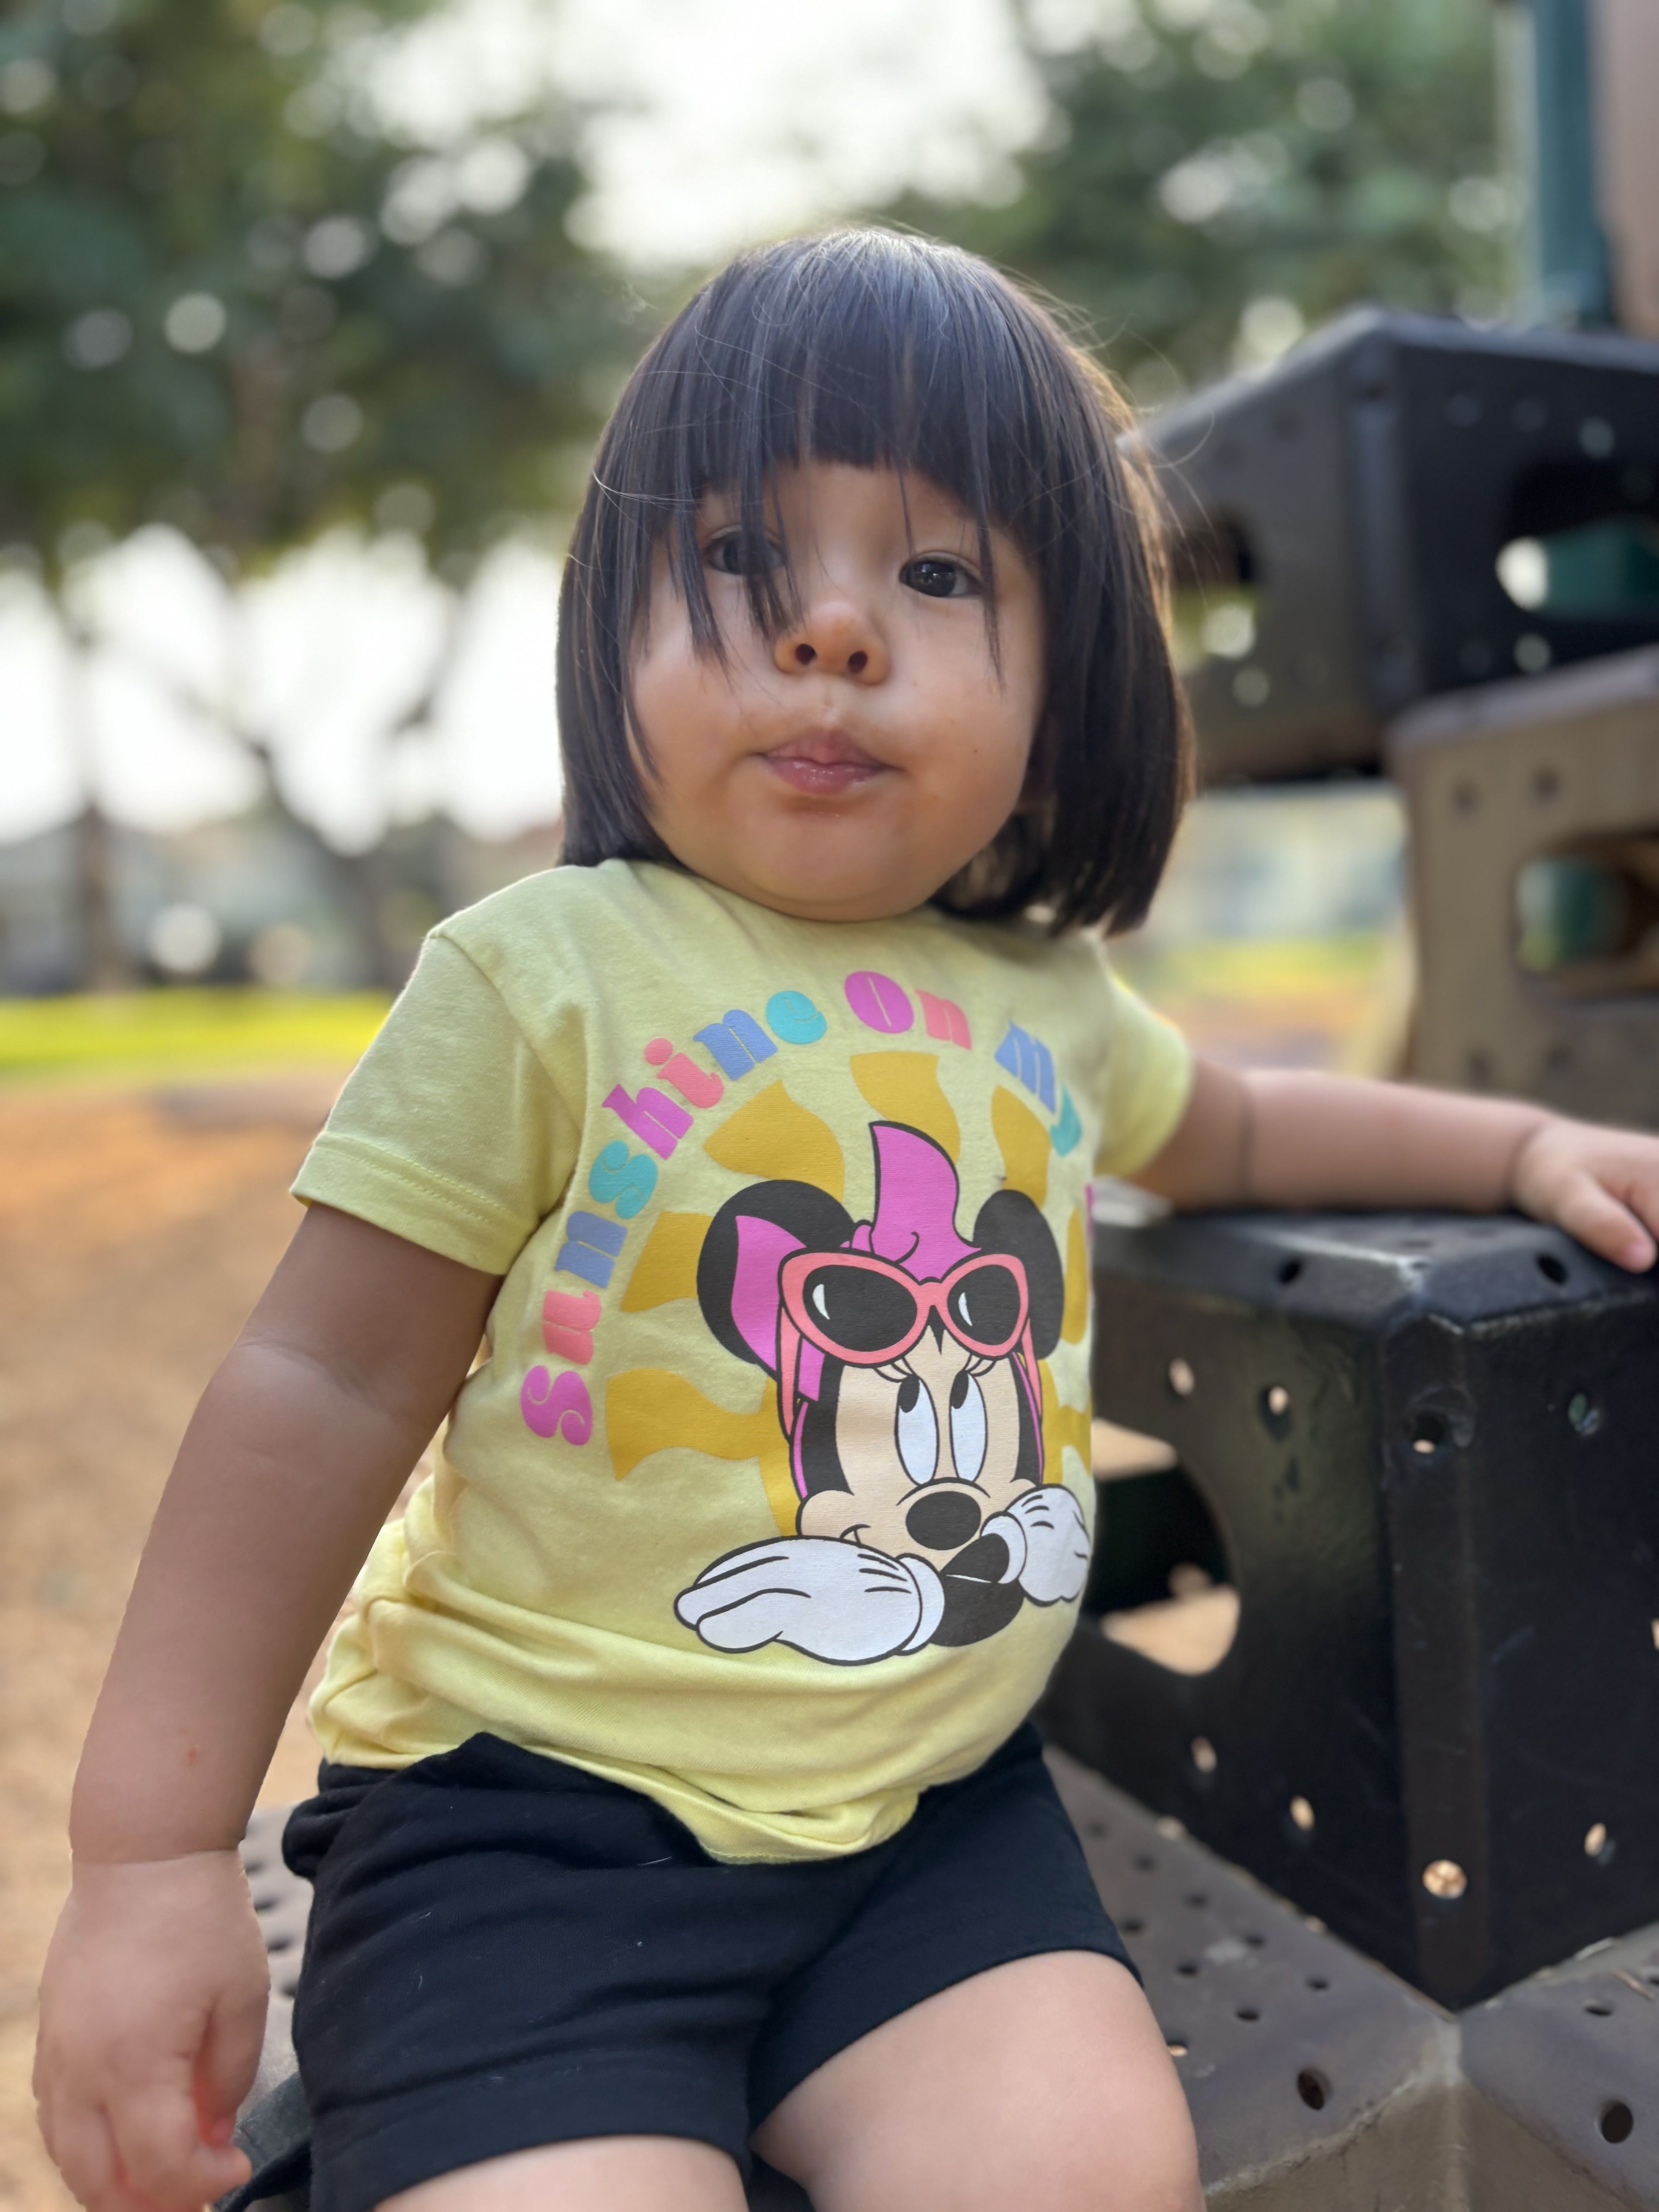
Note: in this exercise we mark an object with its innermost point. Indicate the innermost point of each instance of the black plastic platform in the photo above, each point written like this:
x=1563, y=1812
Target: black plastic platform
x=1318, y=2083
x=1424, y=1447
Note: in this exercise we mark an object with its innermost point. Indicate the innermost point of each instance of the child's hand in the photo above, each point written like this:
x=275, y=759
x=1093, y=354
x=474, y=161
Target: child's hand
x=1601, y=1185
x=152, y=2009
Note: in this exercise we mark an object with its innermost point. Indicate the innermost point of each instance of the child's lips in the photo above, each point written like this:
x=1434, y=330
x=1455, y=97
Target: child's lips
x=822, y=763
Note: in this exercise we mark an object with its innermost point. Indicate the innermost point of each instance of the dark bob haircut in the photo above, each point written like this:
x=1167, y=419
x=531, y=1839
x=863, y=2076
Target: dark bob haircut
x=875, y=349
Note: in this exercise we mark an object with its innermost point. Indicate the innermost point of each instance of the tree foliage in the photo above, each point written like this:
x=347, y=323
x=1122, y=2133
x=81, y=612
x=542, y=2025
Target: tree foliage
x=1209, y=156
x=232, y=298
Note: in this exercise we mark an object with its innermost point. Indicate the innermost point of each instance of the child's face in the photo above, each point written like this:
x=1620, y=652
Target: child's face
x=845, y=770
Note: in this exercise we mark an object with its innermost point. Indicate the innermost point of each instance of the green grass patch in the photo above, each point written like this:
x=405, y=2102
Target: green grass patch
x=160, y=1035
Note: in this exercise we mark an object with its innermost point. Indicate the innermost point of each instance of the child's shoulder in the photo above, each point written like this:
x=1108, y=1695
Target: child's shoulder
x=561, y=913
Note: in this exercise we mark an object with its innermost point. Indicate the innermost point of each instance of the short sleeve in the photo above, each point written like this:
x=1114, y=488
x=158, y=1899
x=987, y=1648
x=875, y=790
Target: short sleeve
x=450, y=1131
x=1149, y=1079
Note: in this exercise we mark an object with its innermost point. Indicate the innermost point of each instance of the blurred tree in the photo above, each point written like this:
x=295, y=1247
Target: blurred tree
x=1219, y=174
x=234, y=301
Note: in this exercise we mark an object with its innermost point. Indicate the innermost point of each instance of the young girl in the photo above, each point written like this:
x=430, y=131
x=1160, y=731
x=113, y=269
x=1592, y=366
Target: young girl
x=675, y=1795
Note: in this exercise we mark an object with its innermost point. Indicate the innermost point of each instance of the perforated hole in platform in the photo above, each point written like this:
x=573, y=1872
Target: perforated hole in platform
x=1275, y=1406
x=1428, y=1432
x=1288, y=1270
x=1203, y=1754
x=1313, y=2089
x=1598, y=2007
x=1583, y=1413
x=1248, y=2013
x=1598, y=1843
x=1182, y=1381
x=1302, y=1816
x=1616, y=2121
x=1551, y=1268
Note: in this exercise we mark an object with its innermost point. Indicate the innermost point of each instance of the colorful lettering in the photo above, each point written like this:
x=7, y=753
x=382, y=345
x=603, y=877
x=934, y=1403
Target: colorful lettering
x=1069, y=1127
x=567, y=1319
x=591, y=1247
x=652, y=1116
x=739, y=1042
x=794, y=1017
x=551, y=1402
x=623, y=1179
x=879, y=1002
x=695, y=1085
x=944, y=1018
x=1030, y=1061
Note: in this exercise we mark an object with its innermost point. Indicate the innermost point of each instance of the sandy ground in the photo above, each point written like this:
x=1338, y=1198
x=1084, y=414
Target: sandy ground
x=135, y=1234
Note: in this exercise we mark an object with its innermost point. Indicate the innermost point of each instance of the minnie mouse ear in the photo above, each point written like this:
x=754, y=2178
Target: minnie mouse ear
x=1010, y=1222
x=747, y=1243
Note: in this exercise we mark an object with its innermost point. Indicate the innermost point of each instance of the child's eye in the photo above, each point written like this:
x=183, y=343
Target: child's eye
x=936, y=578
x=736, y=554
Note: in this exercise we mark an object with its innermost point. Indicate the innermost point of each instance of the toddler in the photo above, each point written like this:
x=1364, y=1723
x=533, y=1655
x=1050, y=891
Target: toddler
x=676, y=1799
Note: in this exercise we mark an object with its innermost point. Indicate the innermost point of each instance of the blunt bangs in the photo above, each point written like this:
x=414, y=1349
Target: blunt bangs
x=878, y=350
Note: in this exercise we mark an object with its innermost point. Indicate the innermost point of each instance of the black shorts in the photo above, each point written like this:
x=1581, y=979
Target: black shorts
x=504, y=1952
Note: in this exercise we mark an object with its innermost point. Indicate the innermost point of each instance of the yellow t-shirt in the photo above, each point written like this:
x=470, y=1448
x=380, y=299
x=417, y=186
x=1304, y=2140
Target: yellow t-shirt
x=771, y=1497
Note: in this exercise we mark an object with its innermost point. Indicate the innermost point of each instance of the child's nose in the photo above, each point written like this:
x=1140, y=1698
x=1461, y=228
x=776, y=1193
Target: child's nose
x=834, y=636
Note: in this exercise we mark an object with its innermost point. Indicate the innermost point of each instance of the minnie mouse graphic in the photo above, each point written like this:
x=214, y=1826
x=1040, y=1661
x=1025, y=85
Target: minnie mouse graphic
x=906, y=1362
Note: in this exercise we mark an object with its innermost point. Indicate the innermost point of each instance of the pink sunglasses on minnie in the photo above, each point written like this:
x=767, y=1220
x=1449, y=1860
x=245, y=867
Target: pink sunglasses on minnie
x=867, y=1311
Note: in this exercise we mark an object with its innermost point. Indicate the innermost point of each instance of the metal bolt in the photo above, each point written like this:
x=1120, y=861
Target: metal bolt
x=1444, y=1878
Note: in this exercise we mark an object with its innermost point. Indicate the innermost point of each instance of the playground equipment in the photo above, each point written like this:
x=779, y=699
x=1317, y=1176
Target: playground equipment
x=1403, y=507
x=1534, y=856
x=1420, y=1450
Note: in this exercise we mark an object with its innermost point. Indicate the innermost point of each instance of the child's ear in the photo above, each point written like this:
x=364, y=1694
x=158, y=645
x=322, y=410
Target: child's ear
x=1009, y=1222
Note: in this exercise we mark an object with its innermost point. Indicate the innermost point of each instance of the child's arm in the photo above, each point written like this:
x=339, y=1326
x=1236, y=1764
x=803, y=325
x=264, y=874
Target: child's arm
x=154, y=1995
x=1289, y=1139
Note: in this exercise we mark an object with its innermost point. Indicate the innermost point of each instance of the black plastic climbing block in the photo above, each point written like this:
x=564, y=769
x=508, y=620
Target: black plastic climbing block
x=1429, y=1451
x=1356, y=498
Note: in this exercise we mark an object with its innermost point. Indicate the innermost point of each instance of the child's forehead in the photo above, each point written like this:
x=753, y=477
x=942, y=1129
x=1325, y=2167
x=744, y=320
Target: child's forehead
x=798, y=486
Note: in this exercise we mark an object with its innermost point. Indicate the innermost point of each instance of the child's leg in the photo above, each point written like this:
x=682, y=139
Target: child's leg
x=608, y=2174
x=1043, y=2084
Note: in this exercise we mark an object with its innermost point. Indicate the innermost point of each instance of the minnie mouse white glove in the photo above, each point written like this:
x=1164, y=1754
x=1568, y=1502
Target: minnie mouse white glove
x=829, y=1599
x=1048, y=1541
